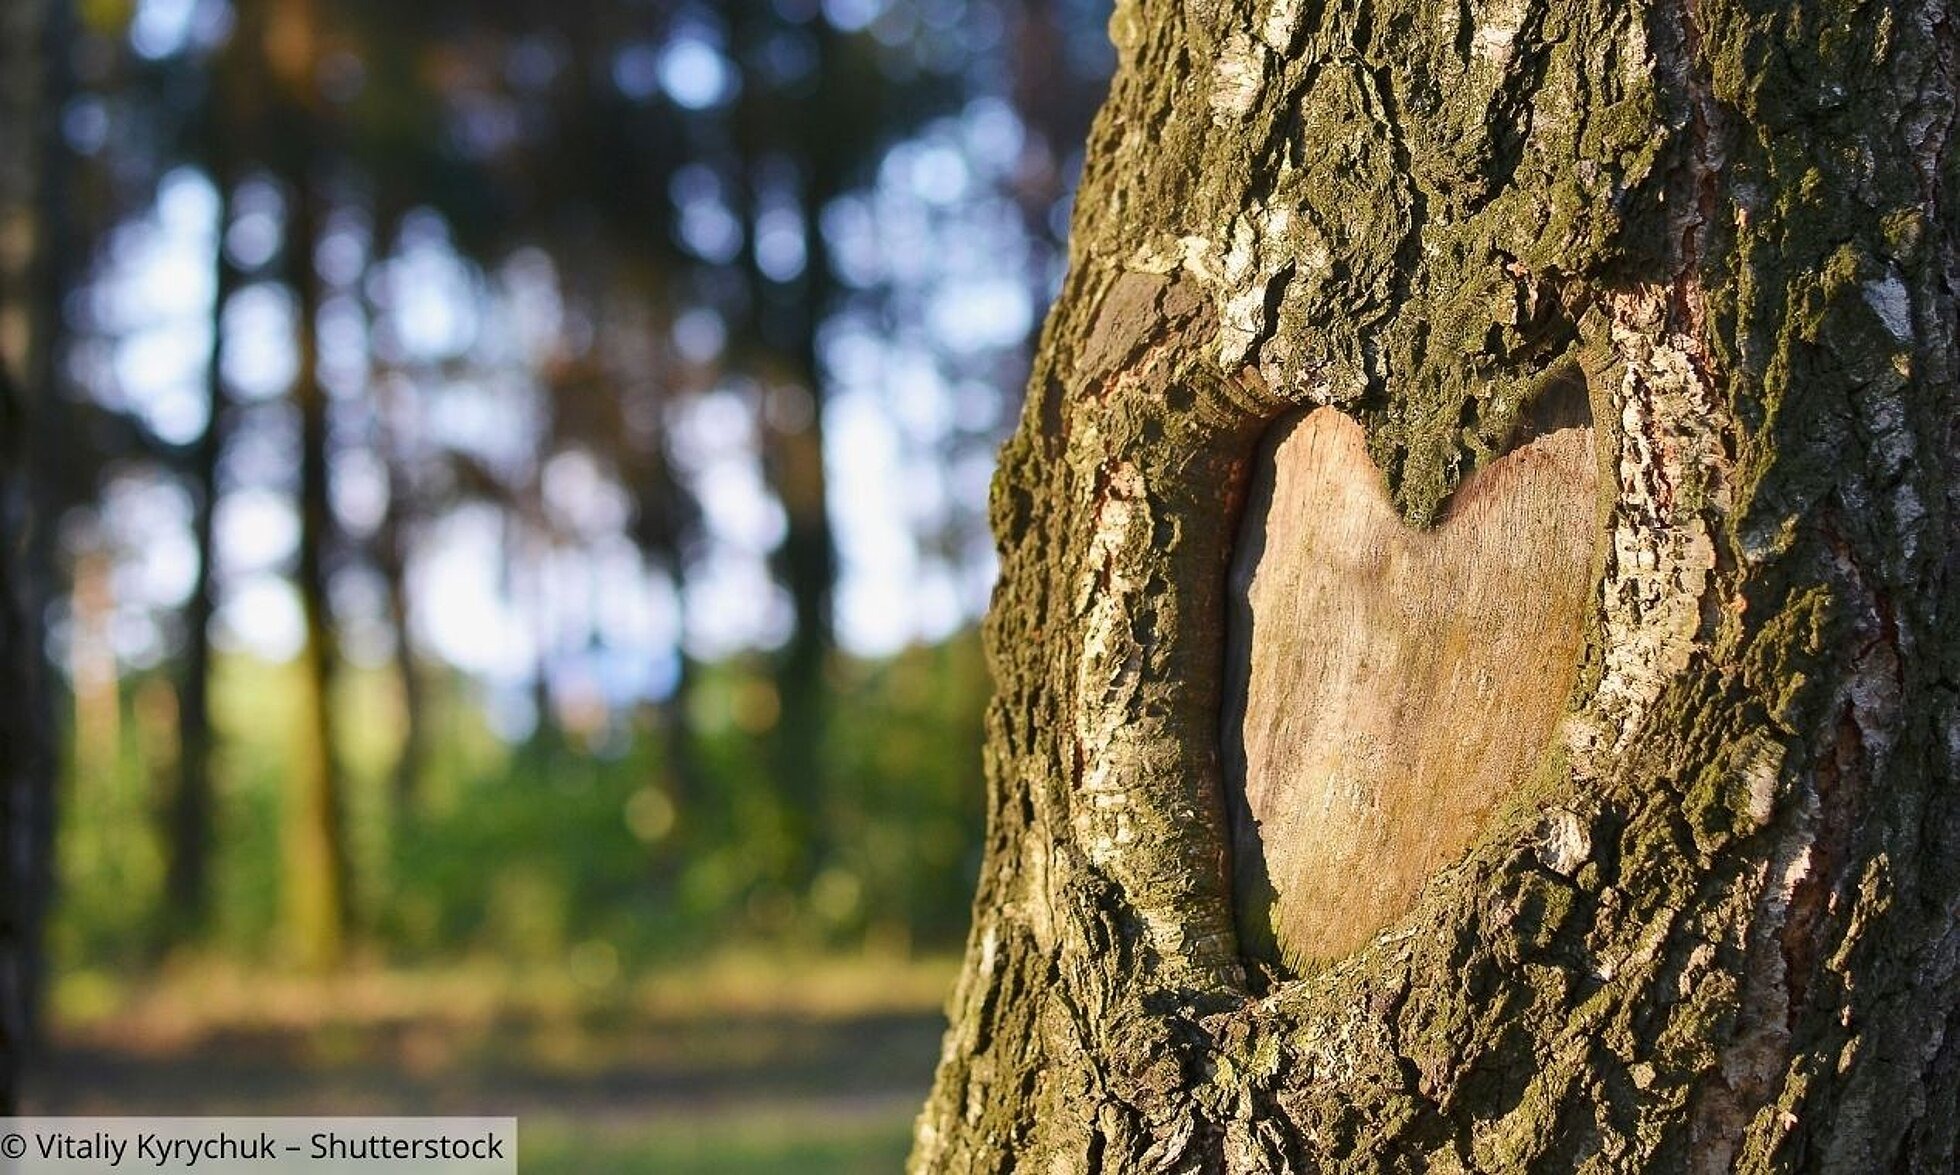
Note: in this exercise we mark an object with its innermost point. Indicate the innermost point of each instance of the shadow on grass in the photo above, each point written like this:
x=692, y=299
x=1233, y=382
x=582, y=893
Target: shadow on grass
x=743, y=1144
x=802, y=1071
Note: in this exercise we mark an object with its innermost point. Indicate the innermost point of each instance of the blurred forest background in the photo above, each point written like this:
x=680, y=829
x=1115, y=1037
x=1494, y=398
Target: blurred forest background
x=495, y=506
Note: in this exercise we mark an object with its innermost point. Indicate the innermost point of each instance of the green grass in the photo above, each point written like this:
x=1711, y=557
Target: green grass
x=747, y=1143
x=565, y=931
x=739, y=1063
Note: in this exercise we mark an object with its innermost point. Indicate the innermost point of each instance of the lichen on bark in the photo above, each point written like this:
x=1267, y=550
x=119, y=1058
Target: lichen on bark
x=1720, y=931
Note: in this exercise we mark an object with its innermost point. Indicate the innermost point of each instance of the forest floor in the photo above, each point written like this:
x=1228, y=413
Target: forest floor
x=743, y=1065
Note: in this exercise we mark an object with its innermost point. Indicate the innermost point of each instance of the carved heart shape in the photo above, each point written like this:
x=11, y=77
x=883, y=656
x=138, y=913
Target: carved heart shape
x=1387, y=688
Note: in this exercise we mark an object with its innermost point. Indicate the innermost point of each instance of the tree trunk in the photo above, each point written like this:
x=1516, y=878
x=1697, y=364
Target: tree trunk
x=33, y=33
x=24, y=747
x=1706, y=920
x=187, y=877
x=785, y=139
x=806, y=563
x=317, y=888
x=391, y=552
x=280, y=46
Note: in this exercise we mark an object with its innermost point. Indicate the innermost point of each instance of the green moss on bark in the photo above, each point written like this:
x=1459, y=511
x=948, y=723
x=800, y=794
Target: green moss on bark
x=1731, y=216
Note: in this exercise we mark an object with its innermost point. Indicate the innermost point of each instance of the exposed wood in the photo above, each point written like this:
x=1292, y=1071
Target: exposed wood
x=1388, y=688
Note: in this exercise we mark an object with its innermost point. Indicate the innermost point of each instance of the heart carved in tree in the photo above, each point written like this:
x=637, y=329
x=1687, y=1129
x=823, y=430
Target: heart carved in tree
x=1388, y=688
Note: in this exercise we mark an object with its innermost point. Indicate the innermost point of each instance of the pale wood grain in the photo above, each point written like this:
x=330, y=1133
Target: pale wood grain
x=1388, y=687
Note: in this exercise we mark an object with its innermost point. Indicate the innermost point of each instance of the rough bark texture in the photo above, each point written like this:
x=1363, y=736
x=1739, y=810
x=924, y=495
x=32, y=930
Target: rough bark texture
x=1721, y=932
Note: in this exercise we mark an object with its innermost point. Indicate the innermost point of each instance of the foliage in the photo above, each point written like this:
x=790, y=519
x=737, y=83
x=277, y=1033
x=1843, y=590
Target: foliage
x=531, y=853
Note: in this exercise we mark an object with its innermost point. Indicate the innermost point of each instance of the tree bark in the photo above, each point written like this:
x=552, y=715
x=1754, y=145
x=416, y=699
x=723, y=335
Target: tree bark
x=1716, y=927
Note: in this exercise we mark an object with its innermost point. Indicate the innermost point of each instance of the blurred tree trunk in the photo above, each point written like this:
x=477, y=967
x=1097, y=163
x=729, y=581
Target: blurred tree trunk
x=806, y=561
x=283, y=47
x=391, y=559
x=687, y=775
x=25, y=744
x=33, y=49
x=95, y=682
x=1056, y=103
x=187, y=884
x=665, y=523
x=1715, y=929
x=789, y=141
x=317, y=887
x=528, y=544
